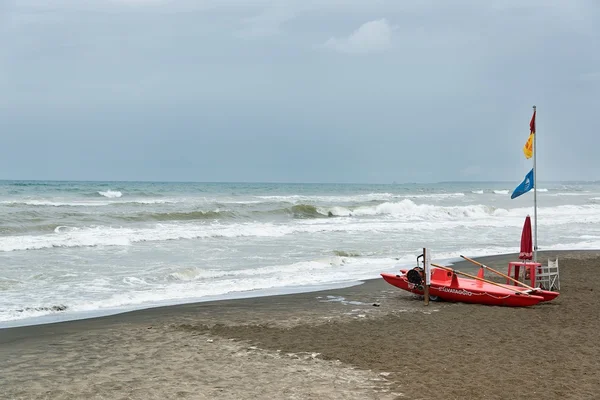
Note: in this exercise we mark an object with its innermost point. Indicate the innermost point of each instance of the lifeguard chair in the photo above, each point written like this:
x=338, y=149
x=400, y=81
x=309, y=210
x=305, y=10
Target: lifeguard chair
x=543, y=276
x=547, y=277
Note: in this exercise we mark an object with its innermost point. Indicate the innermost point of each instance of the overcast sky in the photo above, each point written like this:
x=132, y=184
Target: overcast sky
x=298, y=90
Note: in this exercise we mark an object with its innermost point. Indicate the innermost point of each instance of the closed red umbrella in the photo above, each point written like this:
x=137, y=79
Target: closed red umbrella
x=526, y=241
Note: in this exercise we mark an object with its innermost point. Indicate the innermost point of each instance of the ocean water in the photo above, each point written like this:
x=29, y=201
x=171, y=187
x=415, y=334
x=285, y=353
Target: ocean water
x=75, y=249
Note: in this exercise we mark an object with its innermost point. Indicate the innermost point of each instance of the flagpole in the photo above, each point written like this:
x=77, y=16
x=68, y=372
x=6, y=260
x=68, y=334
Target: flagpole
x=535, y=191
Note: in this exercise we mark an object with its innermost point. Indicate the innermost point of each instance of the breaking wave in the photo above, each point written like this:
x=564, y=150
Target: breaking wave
x=299, y=211
x=305, y=211
x=180, y=216
x=410, y=210
x=406, y=216
x=111, y=194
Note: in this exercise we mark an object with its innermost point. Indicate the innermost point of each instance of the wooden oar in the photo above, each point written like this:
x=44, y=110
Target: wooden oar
x=478, y=278
x=499, y=273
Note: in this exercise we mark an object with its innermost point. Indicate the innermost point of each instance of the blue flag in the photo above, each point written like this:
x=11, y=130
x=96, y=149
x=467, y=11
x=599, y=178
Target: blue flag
x=525, y=186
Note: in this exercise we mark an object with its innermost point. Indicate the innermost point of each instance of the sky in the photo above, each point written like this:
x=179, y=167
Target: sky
x=365, y=91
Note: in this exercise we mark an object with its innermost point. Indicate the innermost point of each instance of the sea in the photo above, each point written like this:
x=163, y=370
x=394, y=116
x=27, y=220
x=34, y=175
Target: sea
x=72, y=250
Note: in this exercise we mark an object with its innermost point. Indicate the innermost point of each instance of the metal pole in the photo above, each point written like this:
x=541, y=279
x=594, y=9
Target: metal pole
x=425, y=270
x=535, y=190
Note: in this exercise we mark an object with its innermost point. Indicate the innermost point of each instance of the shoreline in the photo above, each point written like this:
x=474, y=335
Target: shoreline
x=368, y=341
x=61, y=317
x=86, y=315
x=259, y=294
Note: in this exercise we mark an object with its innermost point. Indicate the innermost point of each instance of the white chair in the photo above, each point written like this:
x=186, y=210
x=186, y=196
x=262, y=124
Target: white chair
x=547, y=276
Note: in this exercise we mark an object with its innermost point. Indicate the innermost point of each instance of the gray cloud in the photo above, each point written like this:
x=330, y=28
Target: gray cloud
x=373, y=36
x=296, y=90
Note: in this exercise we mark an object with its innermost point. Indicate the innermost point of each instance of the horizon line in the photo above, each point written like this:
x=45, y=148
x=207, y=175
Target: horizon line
x=287, y=183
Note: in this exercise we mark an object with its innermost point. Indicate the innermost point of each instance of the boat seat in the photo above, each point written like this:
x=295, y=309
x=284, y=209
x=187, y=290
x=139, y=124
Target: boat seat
x=441, y=275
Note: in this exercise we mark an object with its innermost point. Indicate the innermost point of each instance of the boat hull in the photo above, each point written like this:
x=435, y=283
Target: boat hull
x=454, y=289
x=547, y=295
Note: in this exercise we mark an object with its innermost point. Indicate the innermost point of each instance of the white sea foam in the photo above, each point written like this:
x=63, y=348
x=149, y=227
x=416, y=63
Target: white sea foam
x=412, y=211
x=85, y=203
x=111, y=194
x=589, y=237
x=477, y=191
x=358, y=198
x=53, y=203
x=501, y=191
x=134, y=281
x=434, y=196
x=569, y=194
x=398, y=217
x=197, y=284
x=148, y=201
x=136, y=293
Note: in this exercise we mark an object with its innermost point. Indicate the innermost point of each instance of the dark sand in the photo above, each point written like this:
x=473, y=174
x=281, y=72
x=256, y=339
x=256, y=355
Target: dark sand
x=311, y=346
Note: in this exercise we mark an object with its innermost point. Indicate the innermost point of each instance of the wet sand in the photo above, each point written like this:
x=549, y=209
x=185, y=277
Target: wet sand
x=370, y=341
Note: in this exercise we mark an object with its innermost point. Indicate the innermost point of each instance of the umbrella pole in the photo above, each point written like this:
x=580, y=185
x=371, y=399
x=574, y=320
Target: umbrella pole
x=427, y=276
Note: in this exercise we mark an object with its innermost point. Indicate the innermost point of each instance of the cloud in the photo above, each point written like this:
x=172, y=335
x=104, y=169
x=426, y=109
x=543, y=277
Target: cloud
x=266, y=23
x=371, y=37
x=158, y=68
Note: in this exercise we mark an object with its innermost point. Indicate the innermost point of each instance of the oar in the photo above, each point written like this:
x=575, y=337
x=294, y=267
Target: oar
x=499, y=273
x=478, y=278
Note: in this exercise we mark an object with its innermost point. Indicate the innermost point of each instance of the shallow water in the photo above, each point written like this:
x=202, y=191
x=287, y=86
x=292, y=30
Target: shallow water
x=91, y=248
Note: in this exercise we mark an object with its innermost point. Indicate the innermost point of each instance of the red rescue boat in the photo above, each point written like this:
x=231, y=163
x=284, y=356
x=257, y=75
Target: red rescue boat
x=446, y=285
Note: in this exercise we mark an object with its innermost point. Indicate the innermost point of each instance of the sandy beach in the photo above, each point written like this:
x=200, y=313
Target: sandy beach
x=370, y=341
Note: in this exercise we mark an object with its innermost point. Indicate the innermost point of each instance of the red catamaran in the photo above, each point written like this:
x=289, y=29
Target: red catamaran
x=445, y=284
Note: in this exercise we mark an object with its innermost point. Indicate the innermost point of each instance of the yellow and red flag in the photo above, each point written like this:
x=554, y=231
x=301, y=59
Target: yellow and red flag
x=528, y=148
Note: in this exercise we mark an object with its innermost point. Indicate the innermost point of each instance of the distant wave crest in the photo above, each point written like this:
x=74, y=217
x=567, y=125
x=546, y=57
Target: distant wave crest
x=305, y=211
x=111, y=194
x=409, y=210
x=180, y=216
